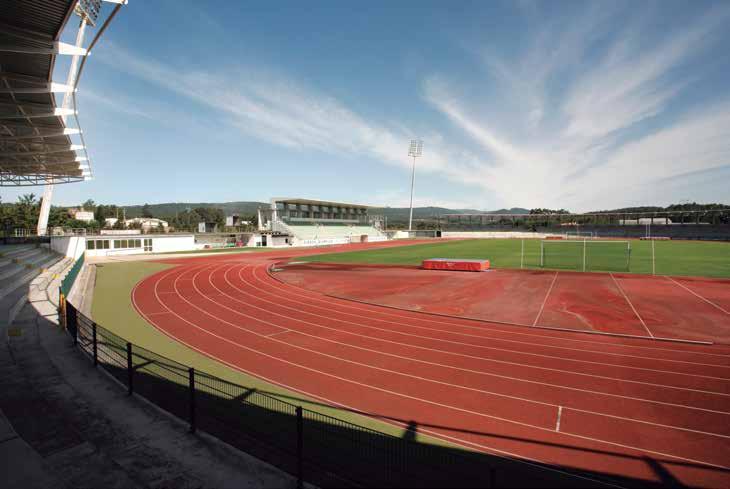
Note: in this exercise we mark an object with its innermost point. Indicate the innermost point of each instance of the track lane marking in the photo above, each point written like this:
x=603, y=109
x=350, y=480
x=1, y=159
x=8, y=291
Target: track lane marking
x=412, y=359
x=419, y=399
x=435, y=330
x=618, y=286
x=542, y=307
x=557, y=423
x=698, y=295
x=527, y=460
x=496, y=332
x=458, y=321
x=484, y=359
x=210, y=274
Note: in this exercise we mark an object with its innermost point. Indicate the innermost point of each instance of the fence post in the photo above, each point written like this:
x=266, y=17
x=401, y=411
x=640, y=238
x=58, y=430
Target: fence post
x=191, y=388
x=130, y=370
x=300, y=447
x=93, y=339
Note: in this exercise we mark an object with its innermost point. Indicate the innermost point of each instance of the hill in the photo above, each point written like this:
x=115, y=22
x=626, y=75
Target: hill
x=249, y=208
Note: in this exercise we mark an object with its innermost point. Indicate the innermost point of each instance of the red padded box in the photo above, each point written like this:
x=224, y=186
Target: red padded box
x=456, y=264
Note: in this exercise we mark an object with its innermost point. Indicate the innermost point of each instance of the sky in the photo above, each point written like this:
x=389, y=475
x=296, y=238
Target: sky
x=576, y=105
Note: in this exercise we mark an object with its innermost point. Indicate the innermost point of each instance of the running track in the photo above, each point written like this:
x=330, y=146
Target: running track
x=616, y=406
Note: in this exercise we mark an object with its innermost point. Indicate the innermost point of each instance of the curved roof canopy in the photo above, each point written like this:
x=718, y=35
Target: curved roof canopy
x=35, y=144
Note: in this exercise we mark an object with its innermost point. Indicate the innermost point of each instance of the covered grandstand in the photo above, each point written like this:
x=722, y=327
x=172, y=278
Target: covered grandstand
x=306, y=222
x=37, y=146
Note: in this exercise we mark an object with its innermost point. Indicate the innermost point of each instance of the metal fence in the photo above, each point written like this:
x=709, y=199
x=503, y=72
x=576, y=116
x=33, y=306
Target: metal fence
x=312, y=446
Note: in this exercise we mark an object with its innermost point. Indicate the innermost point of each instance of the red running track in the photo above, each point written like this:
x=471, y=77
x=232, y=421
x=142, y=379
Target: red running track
x=616, y=406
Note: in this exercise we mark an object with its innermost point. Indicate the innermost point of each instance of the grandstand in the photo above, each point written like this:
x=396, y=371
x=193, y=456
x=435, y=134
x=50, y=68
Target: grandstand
x=306, y=222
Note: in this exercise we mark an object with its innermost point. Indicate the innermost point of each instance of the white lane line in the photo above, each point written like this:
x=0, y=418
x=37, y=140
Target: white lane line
x=484, y=347
x=560, y=412
x=396, y=372
x=417, y=360
x=618, y=286
x=452, y=353
x=277, y=333
x=458, y=322
x=488, y=330
x=698, y=295
x=530, y=461
x=157, y=313
x=542, y=307
x=399, y=394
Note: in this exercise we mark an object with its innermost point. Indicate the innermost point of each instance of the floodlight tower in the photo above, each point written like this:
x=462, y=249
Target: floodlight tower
x=88, y=12
x=415, y=150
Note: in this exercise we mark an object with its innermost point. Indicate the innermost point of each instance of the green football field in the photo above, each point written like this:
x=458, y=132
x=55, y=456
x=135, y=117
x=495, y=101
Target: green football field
x=692, y=258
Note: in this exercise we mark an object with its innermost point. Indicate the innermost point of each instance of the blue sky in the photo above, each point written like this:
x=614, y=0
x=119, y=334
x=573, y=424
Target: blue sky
x=536, y=104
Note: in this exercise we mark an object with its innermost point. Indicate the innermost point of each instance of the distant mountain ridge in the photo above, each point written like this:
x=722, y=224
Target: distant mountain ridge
x=169, y=209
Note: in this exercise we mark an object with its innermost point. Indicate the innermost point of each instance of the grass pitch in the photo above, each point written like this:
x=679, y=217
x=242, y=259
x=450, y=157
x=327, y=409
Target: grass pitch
x=690, y=258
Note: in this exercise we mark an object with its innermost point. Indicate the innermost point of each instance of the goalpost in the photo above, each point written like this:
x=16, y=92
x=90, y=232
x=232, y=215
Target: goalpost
x=586, y=255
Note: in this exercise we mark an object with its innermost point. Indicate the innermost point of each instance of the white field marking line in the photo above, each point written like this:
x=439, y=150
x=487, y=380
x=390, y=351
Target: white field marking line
x=494, y=331
x=210, y=273
x=278, y=332
x=379, y=352
x=157, y=313
x=494, y=326
x=483, y=359
x=425, y=401
x=533, y=344
x=698, y=295
x=478, y=372
x=618, y=286
x=557, y=424
x=457, y=441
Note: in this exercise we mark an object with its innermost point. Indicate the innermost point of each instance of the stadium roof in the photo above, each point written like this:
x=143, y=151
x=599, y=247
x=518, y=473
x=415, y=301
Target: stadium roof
x=35, y=143
x=289, y=200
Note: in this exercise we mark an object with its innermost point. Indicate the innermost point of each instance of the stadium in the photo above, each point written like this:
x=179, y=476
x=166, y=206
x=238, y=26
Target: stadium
x=321, y=345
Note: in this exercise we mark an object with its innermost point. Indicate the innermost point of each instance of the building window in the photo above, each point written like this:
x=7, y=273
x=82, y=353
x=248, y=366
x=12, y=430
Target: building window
x=90, y=244
x=148, y=244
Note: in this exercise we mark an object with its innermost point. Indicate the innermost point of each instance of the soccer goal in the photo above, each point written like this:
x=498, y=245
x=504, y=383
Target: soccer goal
x=586, y=255
x=580, y=235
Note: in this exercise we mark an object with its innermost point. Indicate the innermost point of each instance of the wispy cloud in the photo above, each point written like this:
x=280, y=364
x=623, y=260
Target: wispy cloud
x=592, y=149
x=286, y=113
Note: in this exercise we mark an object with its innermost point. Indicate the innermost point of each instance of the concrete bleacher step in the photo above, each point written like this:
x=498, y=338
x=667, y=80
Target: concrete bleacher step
x=19, y=279
x=9, y=251
x=18, y=264
x=17, y=258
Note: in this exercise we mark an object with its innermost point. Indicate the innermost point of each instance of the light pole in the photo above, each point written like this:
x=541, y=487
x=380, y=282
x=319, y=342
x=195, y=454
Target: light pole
x=415, y=150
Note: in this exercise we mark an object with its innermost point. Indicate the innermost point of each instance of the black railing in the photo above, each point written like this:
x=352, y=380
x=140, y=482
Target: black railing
x=324, y=450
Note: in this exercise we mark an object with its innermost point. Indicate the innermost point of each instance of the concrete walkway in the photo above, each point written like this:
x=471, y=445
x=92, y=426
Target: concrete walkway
x=64, y=423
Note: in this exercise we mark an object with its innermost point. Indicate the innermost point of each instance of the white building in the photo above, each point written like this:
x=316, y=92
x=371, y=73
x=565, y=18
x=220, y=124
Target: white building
x=145, y=223
x=129, y=244
x=81, y=215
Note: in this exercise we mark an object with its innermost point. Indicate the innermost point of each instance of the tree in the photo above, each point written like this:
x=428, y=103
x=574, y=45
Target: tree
x=89, y=205
x=147, y=211
x=119, y=224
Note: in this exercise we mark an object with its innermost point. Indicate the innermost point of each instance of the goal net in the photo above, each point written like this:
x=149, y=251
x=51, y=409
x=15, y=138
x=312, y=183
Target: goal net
x=586, y=255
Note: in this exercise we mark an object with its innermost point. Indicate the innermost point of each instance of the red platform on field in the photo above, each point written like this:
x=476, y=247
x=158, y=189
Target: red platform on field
x=454, y=264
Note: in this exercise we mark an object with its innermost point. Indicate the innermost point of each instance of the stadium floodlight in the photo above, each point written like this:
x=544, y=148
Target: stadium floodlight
x=415, y=150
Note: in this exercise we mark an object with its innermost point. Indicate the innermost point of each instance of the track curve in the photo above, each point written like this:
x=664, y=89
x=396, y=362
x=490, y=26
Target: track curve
x=598, y=404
